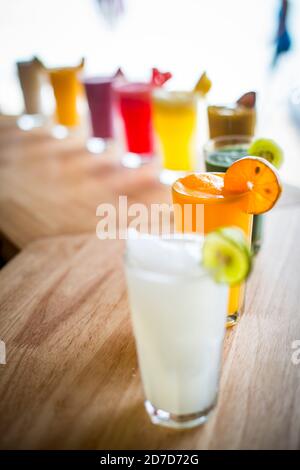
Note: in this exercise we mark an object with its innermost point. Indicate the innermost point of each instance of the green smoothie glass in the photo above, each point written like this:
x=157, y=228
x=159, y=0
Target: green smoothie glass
x=219, y=154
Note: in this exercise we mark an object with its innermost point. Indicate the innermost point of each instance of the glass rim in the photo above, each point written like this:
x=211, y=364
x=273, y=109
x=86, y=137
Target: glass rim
x=223, y=104
x=211, y=199
x=243, y=138
x=159, y=93
x=26, y=63
x=120, y=85
x=230, y=105
x=194, y=238
x=97, y=80
x=64, y=70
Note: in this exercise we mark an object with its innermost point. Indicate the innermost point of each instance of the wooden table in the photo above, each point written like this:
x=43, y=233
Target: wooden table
x=50, y=187
x=71, y=378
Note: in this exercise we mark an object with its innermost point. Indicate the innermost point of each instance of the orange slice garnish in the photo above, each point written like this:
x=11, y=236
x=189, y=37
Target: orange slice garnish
x=258, y=180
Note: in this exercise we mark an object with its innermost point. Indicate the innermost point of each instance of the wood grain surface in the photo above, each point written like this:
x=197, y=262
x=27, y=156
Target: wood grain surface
x=72, y=380
x=51, y=187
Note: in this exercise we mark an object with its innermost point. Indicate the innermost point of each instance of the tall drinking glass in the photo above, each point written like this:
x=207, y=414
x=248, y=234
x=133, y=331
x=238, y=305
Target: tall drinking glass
x=231, y=119
x=135, y=108
x=178, y=314
x=219, y=154
x=67, y=90
x=175, y=123
x=99, y=97
x=207, y=210
x=30, y=75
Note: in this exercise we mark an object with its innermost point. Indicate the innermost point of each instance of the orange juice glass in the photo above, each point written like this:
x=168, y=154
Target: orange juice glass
x=66, y=88
x=205, y=209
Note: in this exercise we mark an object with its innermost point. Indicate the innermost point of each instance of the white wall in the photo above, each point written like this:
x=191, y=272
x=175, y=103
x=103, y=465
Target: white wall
x=231, y=39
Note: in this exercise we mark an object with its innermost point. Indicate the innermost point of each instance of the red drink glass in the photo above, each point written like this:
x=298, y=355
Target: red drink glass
x=134, y=104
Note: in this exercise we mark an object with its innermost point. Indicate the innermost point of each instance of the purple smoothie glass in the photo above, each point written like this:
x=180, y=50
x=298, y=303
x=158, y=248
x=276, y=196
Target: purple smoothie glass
x=99, y=97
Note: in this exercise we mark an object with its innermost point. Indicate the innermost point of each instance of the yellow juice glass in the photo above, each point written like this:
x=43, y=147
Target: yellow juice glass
x=66, y=88
x=175, y=124
x=203, y=210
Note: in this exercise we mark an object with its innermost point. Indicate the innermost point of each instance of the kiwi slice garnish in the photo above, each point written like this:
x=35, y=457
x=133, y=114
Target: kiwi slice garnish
x=227, y=256
x=267, y=149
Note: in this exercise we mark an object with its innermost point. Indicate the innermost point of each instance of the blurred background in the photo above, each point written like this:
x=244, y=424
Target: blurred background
x=233, y=40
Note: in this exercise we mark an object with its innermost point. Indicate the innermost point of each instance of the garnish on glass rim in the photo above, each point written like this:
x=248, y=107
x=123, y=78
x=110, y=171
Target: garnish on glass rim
x=227, y=256
x=203, y=85
x=267, y=149
x=119, y=73
x=159, y=78
x=248, y=100
x=257, y=180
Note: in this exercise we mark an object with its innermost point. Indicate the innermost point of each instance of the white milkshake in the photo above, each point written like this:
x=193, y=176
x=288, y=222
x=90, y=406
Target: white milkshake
x=178, y=316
